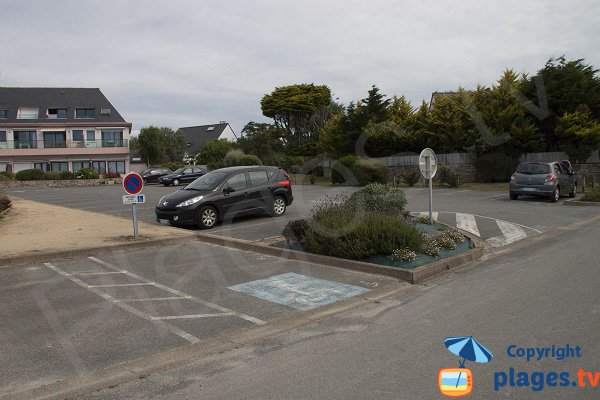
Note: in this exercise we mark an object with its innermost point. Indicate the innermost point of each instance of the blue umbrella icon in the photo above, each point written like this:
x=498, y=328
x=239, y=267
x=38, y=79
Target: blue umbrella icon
x=469, y=349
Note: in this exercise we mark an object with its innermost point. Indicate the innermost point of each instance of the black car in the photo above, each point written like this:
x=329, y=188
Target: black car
x=152, y=174
x=227, y=191
x=182, y=175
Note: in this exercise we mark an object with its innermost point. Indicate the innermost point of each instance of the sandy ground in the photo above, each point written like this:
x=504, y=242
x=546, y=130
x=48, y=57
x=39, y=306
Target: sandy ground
x=35, y=228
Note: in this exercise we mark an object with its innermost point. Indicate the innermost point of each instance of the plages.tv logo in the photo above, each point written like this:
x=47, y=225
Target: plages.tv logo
x=458, y=382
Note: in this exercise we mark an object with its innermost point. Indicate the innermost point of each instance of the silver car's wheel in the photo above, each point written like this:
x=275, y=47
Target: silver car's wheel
x=278, y=207
x=175, y=182
x=555, y=195
x=207, y=218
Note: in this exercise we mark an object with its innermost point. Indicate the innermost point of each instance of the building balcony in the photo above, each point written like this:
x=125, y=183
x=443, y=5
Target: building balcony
x=68, y=147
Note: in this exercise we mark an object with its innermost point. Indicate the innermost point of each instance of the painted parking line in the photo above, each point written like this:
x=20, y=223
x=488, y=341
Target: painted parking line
x=171, y=328
x=299, y=291
x=510, y=234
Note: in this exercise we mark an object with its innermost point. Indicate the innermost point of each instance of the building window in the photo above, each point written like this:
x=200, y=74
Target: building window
x=85, y=113
x=99, y=167
x=59, y=166
x=25, y=139
x=53, y=140
x=28, y=113
x=3, y=113
x=56, y=113
x=78, y=135
x=43, y=166
x=77, y=165
x=90, y=136
x=2, y=136
x=116, y=166
x=112, y=138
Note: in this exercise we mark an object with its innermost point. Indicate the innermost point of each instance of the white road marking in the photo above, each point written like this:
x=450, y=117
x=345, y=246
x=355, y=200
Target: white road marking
x=467, y=223
x=182, y=294
x=98, y=273
x=179, y=332
x=192, y=316
x=122, y=285
x=510, y=233
x=151, y=299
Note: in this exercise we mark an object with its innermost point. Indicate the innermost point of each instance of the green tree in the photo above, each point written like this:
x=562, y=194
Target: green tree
x=299, y=110
x=214, y=151
x=560, y=87
x=578, y=134
x=175, y=145
x=451, y=126
x=502, y=121
x=261, y=139
x=151, y=145
x=134, y=143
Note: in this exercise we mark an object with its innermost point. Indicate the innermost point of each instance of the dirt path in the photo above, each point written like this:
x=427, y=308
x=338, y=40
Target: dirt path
x=35, y=228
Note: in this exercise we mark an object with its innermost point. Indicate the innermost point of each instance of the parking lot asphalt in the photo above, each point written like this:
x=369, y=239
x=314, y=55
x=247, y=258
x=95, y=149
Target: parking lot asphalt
x=487, y=214
x=64, y=318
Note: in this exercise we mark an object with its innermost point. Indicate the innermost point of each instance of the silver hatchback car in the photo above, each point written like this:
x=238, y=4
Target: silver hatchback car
x=543, y=179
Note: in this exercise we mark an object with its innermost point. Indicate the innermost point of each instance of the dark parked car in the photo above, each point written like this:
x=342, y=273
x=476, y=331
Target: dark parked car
x=227, y=191
x=182, y=175
x=152, y=174
x=543, y=179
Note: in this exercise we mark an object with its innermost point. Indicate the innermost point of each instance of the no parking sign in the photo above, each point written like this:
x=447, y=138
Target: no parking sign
x=133, y=185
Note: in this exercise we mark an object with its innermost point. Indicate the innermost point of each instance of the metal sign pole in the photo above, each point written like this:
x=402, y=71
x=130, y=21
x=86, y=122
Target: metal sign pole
x=135, y=223
x=430, y=190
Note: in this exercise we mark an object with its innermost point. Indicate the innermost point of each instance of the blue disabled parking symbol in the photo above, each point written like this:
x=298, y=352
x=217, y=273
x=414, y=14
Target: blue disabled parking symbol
x=298, y=291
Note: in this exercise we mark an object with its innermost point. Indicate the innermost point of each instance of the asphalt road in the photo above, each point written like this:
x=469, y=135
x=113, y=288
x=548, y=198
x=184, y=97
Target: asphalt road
x=538, y=296
x=479, y=211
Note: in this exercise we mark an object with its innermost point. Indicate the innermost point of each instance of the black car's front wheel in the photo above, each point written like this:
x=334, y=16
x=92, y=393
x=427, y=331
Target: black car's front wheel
x=207, y=217
x=279, y=207
x=514, y=196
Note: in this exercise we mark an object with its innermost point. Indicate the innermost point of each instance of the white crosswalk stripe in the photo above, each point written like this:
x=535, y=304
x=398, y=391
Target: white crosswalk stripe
x=509, y=232
x=466, y=222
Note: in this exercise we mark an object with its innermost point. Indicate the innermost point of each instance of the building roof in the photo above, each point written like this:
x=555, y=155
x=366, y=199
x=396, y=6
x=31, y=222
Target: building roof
x=12, y=98
x=196, y=136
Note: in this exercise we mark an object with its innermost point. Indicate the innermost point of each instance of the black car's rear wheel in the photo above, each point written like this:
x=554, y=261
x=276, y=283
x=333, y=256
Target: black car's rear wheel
x=207, y=217
x=555, y=195
x=514, y=196
x=279, y=207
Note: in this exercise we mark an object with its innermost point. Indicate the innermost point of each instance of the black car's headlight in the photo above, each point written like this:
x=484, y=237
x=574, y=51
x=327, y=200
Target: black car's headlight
x=189, y=202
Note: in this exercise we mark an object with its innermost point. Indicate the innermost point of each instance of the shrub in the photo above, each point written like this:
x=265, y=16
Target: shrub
x=4, y=178
x=67, y=175
x=494, y=167
x=172, y=165
x=411, y=178
x=448, y=177
x=50, y=175
x=5, y=203
x=362, y=171
x=31, y=175
x=250, y=159
x=295, y=230
x=313, y=179
x=338, y=227
x=380, y=198
x=403, y=254
x=7, y=174
x=593, y=195
x=86, y=173
x=214, y=151
x=112, y=175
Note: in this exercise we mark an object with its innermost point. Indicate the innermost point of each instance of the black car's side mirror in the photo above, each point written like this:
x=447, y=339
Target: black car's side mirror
x=227, y=190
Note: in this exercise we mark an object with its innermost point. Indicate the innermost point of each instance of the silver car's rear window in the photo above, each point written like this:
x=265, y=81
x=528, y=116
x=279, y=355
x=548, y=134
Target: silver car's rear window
x=533, y=169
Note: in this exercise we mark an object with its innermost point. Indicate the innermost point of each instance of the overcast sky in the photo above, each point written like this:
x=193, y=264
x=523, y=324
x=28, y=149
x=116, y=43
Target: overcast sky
x=182, y=63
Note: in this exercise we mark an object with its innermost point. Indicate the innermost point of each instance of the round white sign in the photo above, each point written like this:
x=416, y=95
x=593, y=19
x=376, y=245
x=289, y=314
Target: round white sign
x=428, y=171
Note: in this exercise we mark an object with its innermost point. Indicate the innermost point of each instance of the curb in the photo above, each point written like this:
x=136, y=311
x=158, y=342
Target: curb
x=581, y=203
x=415, y=275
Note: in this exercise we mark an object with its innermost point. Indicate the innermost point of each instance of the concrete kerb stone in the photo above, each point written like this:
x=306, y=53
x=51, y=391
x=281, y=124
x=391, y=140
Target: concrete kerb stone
x=575, y=202
x=415, y=275
x=92, y=250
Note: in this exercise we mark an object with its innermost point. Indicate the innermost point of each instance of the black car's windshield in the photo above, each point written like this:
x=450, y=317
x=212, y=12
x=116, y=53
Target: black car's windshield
x=533, y=169
x=207, y=182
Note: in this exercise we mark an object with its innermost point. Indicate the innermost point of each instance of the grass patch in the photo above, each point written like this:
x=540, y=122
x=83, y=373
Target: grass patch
x=593, y=195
